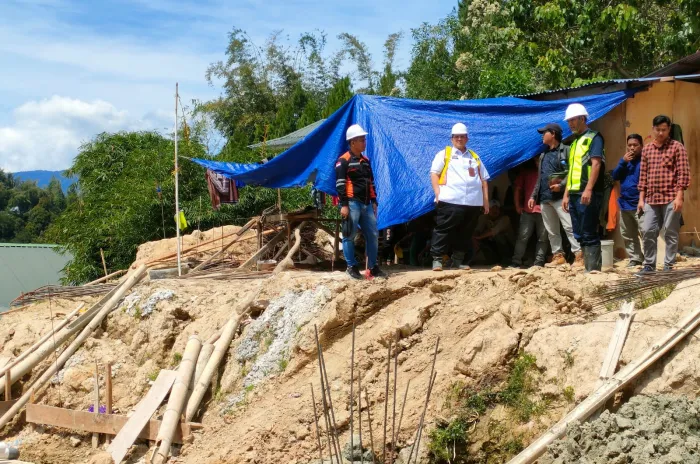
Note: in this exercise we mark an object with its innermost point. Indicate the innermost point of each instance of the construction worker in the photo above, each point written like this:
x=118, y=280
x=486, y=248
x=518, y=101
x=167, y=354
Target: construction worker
x=627, y=172
x=358, y=200
x=459, y=181
x=549, y=192
x=583, y=196
x=664, y=175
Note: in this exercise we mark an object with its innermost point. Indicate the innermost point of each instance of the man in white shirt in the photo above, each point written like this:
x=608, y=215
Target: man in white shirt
x=459, y=180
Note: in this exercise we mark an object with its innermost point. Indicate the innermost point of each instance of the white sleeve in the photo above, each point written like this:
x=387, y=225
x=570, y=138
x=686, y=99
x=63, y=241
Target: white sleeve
x=438, y=163
x=484, y=172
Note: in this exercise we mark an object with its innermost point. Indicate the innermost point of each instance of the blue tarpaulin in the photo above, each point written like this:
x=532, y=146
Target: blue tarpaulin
x=404, y=136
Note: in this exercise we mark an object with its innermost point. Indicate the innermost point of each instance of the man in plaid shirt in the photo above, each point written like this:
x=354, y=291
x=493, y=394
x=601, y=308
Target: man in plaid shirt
x=663, y=176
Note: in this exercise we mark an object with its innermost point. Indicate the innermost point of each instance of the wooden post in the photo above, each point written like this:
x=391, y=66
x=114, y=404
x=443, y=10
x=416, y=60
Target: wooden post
x=8, y=385
x=279, y=199
x=104, y=263
x=108, y=388
x=96, y=436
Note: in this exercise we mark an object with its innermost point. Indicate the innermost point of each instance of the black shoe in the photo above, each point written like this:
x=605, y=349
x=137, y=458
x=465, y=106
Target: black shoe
x=646, y=270
x=353, y=272
x=634, y=264
x=538, y=264
x=668, y=267
x=377, y=273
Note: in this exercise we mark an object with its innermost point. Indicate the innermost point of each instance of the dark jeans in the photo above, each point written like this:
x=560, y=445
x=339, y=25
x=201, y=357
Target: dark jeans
x=585, y=219
x=453, y=229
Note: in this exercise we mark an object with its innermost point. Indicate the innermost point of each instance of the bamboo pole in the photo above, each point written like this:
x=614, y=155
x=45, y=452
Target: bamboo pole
x=46, y=336
x=177, y=400
x=8, y=385
x=220, y=349
x=288, y=262
x=238, y=234
x=104, y=263
x=73, y=347
x=204, y=355
x=96, y=403
x=600, y=396
x=108, y=389
x=105, y=278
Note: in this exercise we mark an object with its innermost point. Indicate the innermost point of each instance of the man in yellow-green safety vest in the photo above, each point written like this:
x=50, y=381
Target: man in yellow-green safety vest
x=459, y=181
x=583, y=197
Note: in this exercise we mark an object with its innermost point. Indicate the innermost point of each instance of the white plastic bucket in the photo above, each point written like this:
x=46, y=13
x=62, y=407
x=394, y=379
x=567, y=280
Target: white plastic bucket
x=606, y=249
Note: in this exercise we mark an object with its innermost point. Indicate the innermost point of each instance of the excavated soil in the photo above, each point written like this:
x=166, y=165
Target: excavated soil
x=259, y=409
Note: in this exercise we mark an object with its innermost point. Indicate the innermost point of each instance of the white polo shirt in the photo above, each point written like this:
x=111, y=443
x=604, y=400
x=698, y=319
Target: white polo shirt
x=460, y=187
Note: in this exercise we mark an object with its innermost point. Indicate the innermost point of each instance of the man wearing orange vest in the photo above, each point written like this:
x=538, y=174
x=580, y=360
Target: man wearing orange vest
x=459, y=180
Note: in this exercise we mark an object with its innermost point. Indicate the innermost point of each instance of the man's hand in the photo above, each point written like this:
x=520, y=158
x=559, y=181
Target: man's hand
x=586, y=196
x=555, y=187
x=344, y=211
x=518, y=209
x=629, y=156
x=677, y=204
x=374, y=208
x=531, y=203
x=486, y=208
x=565, y=203
x=640, y=206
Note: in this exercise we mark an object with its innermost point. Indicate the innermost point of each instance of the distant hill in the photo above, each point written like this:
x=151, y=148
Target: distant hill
x=42, y=178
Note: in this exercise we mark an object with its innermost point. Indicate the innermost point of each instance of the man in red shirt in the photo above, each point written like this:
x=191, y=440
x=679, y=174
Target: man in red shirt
x=663, y=176
x=530, y=215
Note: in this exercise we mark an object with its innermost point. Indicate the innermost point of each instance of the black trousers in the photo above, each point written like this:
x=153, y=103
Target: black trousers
x=453, y=229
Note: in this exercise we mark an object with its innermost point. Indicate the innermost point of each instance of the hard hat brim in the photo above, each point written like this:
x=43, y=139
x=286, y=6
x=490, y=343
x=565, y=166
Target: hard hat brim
x=354, y=136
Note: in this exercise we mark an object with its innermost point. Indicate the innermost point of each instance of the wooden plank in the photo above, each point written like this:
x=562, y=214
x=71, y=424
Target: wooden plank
x=96, y=436
x=5, y=406
x=84, y=421
x=144, y=410
x=617, y=342
x=253, y=260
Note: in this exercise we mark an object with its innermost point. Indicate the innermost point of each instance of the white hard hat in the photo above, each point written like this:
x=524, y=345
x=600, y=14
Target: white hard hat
x=354, y=131
x=574, y=110
x=459, y=129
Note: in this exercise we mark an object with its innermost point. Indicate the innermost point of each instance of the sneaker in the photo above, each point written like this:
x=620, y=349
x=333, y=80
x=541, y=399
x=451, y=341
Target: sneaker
x=464, y=267
x=646, y=270
x=353, y=272
x=668, y=267
x=558, y=259
x=634, y=264
x=578, y=258
x=538, y=264
x=377, y=273
x=437, y=265
x=514, y=266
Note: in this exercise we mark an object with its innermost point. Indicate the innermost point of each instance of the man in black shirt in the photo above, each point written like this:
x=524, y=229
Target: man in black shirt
x=549, y=193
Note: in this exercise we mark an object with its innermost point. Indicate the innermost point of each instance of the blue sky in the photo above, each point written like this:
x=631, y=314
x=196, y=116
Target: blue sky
x=72, y=68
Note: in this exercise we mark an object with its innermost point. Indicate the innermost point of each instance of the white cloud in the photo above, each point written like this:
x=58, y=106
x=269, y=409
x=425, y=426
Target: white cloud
x=46, y=134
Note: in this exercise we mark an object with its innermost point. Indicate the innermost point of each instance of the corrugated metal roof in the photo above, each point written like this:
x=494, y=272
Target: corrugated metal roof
x=687, y=65
x=25, y=267
x=611, y=82
x=288, y=140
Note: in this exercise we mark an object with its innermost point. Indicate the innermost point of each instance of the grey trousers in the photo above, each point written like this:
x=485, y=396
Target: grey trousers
x=655, y=218
x=529, y=224
x=630, y=225
x=553, y=216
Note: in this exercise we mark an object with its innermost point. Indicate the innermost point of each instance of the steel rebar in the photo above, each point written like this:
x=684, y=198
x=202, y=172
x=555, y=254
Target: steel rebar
x=403, y=406
x=352, y=383
x=427, y=398
x=325, y=403
x=330, y=406
x=386, y=400
x=369, y=421
x=318, y=436
x=393, y=415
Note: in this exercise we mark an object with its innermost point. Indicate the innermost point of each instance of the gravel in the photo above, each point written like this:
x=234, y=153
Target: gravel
x=131, y=305
x=267, y=340
x=657, y=429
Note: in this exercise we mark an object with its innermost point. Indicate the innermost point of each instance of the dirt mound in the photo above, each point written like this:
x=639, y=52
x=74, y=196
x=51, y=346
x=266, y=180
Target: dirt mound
x=646, y=430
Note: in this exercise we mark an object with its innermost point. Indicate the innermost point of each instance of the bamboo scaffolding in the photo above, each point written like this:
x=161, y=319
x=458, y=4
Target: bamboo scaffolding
x=73, y=347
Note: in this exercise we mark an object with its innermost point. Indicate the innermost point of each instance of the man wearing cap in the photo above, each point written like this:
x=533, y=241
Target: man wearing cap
x=358, y=201
x=549, y=192
x=583, y=197
x=459, y=181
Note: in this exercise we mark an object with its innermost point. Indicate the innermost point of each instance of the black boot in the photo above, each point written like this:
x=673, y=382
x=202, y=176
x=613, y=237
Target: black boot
x=592, y=258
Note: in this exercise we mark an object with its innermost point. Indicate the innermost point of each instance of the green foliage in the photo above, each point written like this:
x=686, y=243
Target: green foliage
x=153, y=375
x=520, y=387
x=444, y=441
x=283, y=363
x=117, y=206
x=26, y=210
x=340, y=93
x=569, y=394
x=177, y=357
x=656, y=295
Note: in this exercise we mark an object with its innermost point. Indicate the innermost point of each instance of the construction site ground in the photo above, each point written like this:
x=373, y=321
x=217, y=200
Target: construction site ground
x=259, y=409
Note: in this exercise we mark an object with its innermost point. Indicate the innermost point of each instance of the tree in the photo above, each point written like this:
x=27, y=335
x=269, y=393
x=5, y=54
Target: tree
x=389, y=79
x=117, y=206
x=338, y=96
